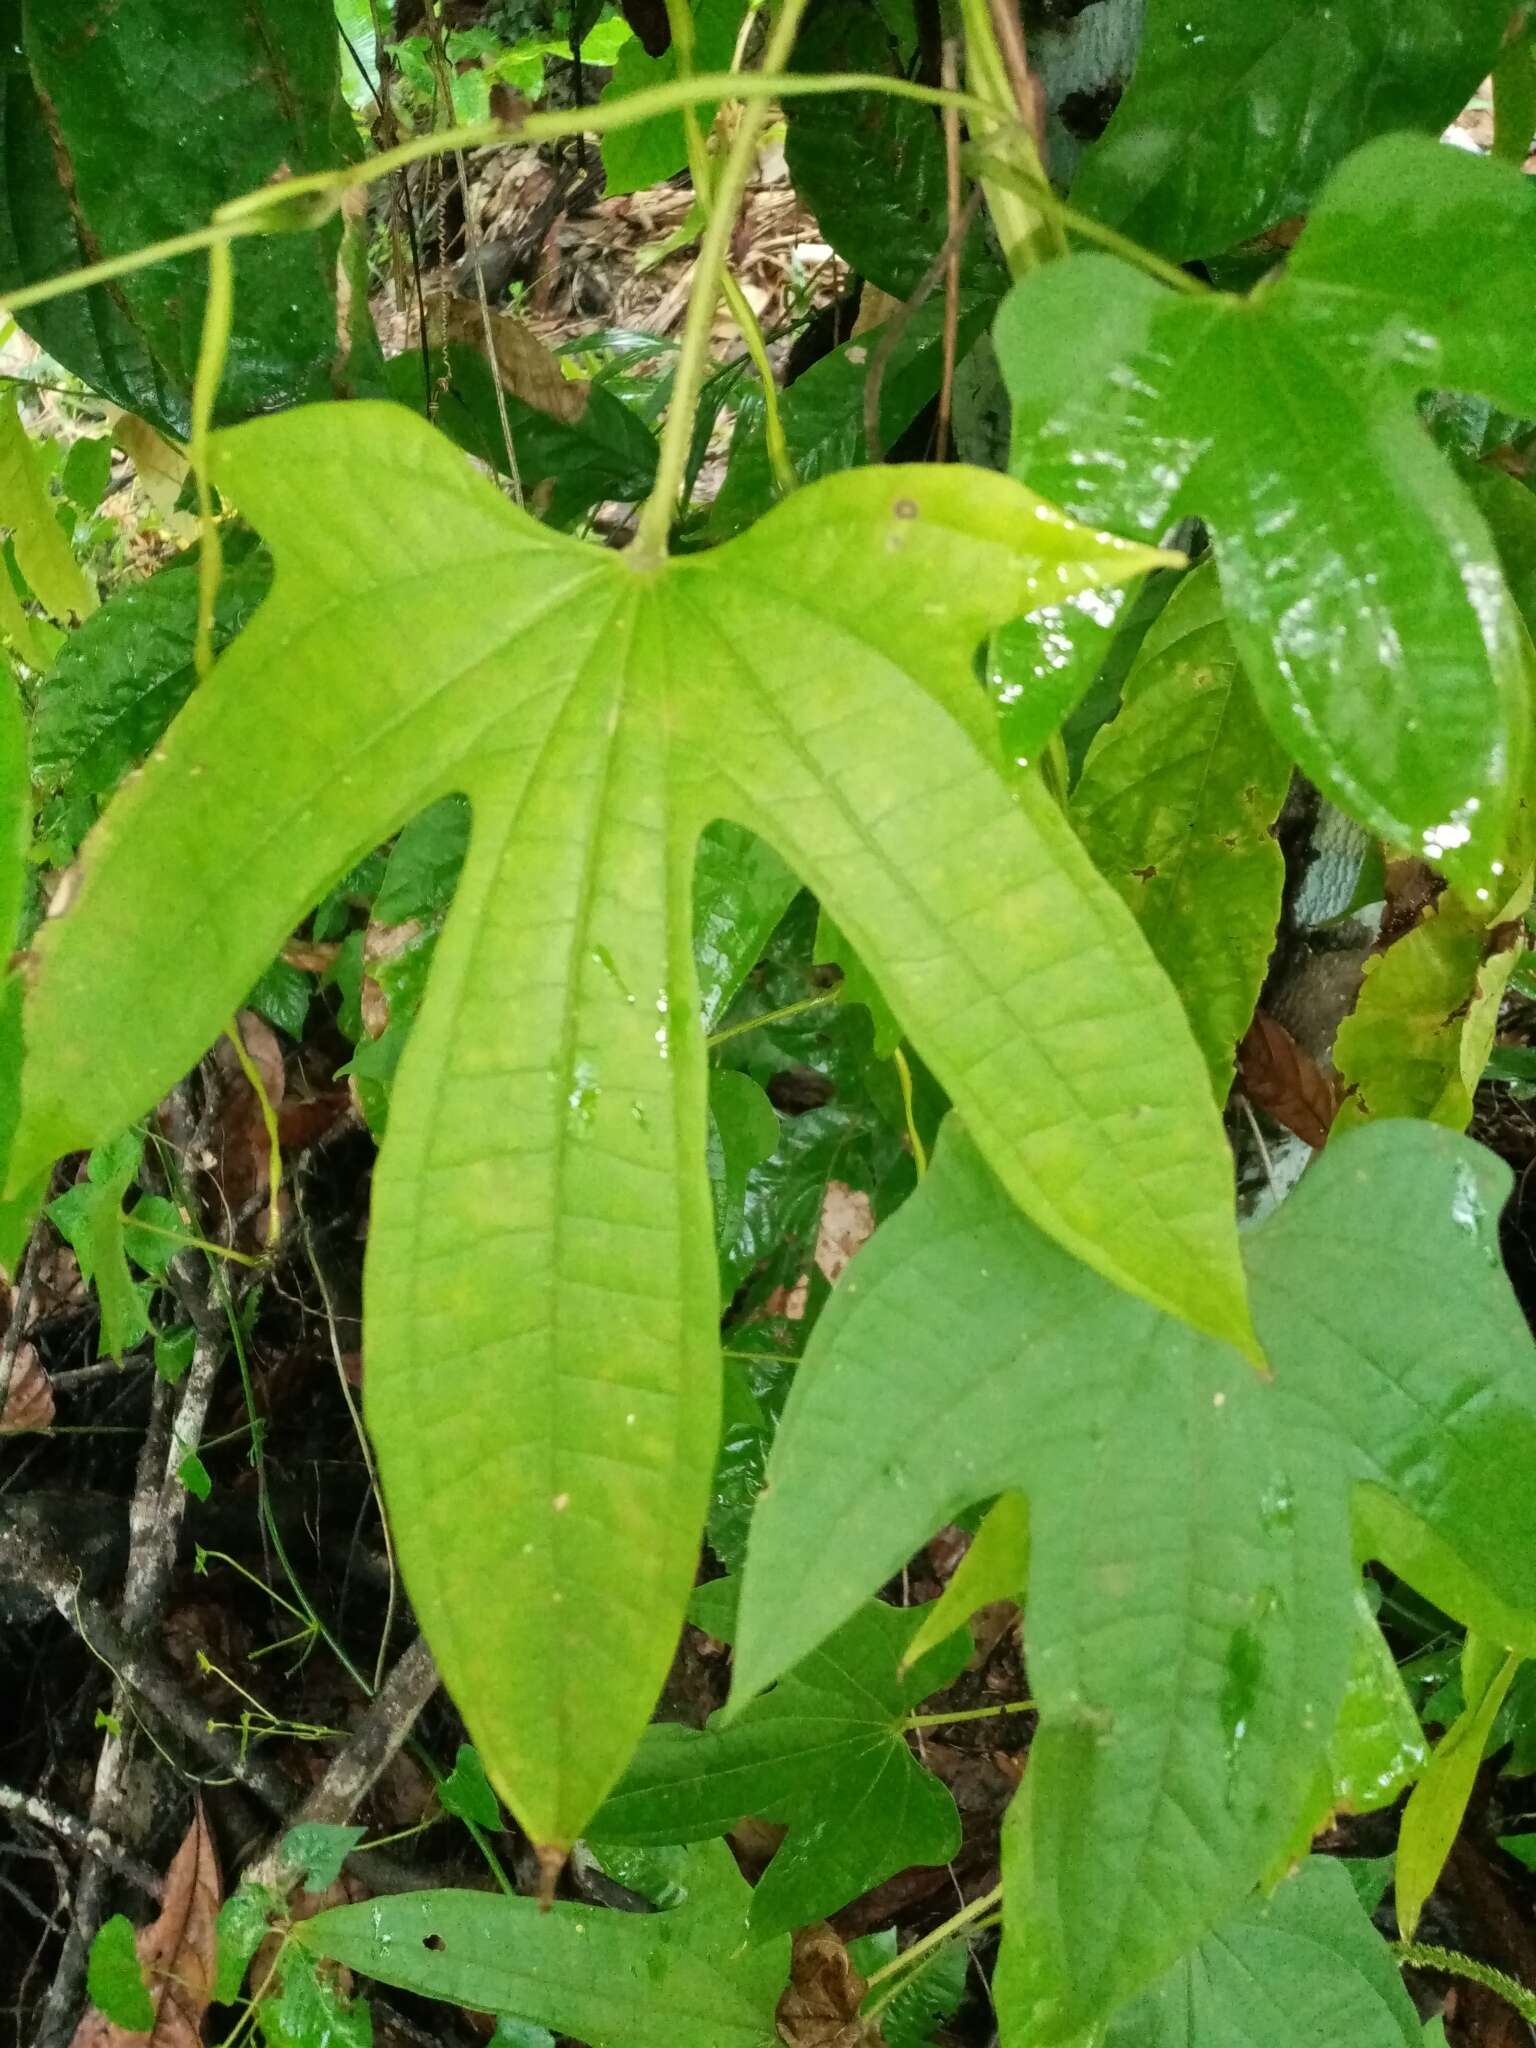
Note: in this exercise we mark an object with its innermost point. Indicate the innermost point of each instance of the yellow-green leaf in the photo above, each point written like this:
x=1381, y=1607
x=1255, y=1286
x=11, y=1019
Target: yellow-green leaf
x=996, y=1567
x=53, y=575
x=1433, y=1815
x=1422, y=1028
x=541, y=1295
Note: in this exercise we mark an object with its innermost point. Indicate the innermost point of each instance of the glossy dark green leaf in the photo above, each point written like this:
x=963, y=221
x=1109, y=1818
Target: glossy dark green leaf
x=871, y=168
x=825, y=1754
x=282, y=996
x=211, y=102
x=928, y=1995
x=843, y=1121
x=1190, y=1574
x=1346, y=548
x=743, y=1133
x=1175, y=804
x=688, y=1978
x=741, y=890
x=425, y=863
x=1238, y=112
x=857, y=985
x=121, y=677
x=1303, y=1966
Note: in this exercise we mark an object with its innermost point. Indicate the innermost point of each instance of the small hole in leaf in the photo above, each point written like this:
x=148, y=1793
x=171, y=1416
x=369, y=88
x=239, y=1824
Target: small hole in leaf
x=435, y=1942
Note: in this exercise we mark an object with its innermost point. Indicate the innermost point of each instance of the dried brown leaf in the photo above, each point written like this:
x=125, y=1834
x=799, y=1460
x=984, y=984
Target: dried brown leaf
x=527, y=368
x=847, y=1222
x=820, y=2006
x=29, y=1398
x=1285, y=1081
x=177, y=1952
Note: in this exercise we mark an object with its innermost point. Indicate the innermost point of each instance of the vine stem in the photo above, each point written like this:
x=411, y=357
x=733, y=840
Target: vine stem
x=976, y=1910
x=272, y=209
x=969, y=1714
x=648, y=550
x=212, y=349
x=766, y=1017
x=737, y=302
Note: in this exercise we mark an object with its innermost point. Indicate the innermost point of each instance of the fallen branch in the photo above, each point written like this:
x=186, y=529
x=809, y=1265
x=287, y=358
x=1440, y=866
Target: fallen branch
x=380, y=1734
x=80, y=1835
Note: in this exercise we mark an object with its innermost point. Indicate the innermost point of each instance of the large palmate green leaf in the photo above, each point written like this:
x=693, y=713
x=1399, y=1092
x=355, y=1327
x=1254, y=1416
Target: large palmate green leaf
x=828, y=1744
x=687, y=1978
x=1303, y=1966
x=1190, y=1583
x=140, y=118
x=1236, y=114
x=540, y=1294
x=1362, y=589
x=1175, y=803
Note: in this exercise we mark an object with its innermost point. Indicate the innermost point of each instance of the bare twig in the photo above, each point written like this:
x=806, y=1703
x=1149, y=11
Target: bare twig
x=952, y=203
x=27, y=1558
x=1027, y=96
x=896, y=327
x=80, y=1835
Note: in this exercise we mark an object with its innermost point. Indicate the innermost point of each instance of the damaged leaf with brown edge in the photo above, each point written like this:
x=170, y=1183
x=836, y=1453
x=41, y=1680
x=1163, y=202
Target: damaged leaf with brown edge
x=541, y=1294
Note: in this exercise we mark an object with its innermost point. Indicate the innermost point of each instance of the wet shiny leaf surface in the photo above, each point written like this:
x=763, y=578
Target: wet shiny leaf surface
x=1237, y=112
x=1362, y=589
